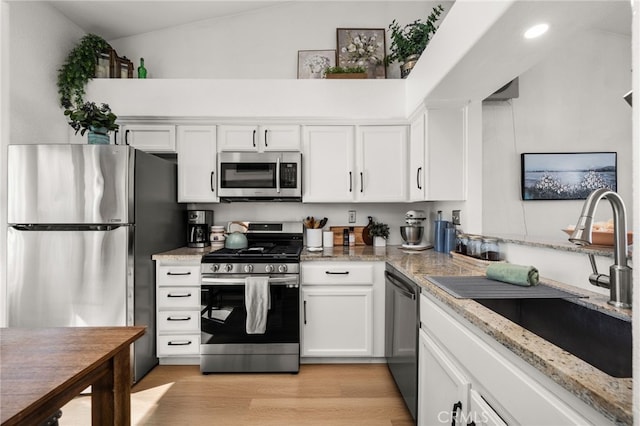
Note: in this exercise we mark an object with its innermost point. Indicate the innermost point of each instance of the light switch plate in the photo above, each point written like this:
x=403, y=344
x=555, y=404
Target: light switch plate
x=352, y=216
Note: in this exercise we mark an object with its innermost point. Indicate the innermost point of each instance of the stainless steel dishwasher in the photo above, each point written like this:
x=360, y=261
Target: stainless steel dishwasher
x=402, y=322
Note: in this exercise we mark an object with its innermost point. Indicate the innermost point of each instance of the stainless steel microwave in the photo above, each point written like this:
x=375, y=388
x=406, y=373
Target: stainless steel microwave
x=260, y=176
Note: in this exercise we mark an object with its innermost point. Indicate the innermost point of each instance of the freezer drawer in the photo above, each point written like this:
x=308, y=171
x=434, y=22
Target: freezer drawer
x=61, y=278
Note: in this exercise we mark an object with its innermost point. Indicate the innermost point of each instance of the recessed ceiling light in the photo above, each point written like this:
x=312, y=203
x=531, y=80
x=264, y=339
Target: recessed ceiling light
x=536, y=31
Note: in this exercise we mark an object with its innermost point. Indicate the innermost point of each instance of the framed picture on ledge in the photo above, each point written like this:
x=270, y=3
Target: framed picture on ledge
x=312, y=63
x=566, y=176
x=363, y=47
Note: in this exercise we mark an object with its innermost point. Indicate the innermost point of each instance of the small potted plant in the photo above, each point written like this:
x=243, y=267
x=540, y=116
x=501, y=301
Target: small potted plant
x=408, y=42
x=380, y=232
x=98, y=120
x=345, y=72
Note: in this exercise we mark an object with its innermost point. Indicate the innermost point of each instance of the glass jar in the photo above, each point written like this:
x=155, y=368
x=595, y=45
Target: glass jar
x=461, y=243
x=473, y=246
x=489, y=250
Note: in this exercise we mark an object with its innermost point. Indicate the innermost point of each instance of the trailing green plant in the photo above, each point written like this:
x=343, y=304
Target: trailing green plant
x=78, y=69
x=379, y=229
x=345, y=70
x=413, y=38
x=90, y=116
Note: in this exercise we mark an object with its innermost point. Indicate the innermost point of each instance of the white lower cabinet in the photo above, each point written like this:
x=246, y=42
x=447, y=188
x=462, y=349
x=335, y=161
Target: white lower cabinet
x=339, y=303
x=467, y=377
x=177, y=310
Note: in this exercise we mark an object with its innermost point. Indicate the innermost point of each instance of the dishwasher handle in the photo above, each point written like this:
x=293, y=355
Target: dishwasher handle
x=404, y=288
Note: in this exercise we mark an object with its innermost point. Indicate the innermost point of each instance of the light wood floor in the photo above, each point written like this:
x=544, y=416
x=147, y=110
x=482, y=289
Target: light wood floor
x=328, y=394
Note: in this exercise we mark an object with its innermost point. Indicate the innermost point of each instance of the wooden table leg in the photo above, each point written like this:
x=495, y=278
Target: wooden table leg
x=111, y=394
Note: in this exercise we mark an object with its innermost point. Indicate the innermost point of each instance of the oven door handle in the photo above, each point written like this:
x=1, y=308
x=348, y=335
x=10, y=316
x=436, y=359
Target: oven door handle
x=293, y=281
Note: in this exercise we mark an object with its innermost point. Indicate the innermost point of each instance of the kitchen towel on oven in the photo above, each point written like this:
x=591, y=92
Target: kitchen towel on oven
x=256, y=297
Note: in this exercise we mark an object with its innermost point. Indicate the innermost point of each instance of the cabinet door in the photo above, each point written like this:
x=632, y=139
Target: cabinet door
x=382, y=164
x=416, y=169
x=481, y=413
x=197, y=164
x=337, y=321
x=443, y=390
x=280, y=138
x=150, y=137
x=238, y=138
x=446, y=154
x=328, y=164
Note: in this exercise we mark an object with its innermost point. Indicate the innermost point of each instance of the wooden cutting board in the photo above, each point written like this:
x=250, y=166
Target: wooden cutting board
x=338, y=230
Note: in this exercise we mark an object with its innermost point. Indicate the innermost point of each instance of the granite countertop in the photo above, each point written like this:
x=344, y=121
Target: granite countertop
x=608, y=395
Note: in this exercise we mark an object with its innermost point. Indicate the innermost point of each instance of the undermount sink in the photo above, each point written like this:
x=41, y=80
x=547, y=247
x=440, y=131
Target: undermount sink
x=596, y=337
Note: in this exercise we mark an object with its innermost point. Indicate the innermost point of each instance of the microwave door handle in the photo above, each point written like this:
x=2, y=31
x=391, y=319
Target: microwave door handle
x=278, y=175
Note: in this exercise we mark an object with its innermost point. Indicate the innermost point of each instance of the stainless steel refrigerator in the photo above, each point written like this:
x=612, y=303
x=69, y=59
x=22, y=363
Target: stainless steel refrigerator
x=84, y=221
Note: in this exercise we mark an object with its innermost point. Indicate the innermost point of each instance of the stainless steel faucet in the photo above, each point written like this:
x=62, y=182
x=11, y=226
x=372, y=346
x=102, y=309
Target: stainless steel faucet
x=619, y=280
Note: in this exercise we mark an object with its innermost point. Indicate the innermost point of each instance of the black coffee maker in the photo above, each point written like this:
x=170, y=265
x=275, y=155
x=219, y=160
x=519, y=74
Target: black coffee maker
x=198, y=225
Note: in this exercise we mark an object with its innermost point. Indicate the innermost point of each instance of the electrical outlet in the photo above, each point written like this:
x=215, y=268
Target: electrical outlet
x=352, y=216
x=455, y=217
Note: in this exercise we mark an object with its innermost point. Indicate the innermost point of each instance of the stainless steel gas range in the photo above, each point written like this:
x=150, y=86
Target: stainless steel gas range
x=250, y=300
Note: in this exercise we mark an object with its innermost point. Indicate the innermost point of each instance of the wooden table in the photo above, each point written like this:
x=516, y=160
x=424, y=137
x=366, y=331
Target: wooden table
x=43, y=369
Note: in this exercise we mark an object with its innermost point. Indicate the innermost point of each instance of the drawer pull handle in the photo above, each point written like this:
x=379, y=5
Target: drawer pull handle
x=336, y=273
x=179, y=343
x=179, y=295
x=184, y=318
x=178, y=273
x=454, y=412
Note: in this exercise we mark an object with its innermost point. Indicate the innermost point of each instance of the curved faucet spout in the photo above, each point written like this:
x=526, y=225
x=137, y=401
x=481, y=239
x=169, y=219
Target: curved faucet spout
x=619, y=280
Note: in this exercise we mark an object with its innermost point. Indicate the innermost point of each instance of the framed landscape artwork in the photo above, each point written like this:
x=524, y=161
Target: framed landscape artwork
x=312, y=63
x=362, y=47
x=567, y=176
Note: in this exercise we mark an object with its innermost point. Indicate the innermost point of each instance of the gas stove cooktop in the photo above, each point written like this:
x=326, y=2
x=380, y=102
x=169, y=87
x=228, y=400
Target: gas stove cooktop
x=259, y=252
x=281, y=241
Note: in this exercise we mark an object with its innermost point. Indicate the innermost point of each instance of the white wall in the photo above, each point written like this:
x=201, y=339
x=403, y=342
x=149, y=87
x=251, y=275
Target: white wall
x=263, y=43
x=569, y=102
x=34, y=46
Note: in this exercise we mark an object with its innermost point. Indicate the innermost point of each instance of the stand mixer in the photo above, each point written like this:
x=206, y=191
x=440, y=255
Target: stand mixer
x=412, y=232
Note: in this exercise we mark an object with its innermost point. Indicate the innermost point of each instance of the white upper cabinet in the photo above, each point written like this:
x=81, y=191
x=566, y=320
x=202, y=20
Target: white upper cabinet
x=149, y=137
x=197, y=164
x=328, y=163
x=438, y=152
x=259, y=138
x=381, y=153
x=416, y=159
x=354, y=164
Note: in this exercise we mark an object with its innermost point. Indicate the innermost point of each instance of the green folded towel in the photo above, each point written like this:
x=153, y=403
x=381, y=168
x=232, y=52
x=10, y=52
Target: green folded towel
x=513, y=274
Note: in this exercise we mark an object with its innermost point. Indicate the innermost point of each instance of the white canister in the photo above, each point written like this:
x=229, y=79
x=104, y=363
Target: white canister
x=314, y=237
x=327, y=239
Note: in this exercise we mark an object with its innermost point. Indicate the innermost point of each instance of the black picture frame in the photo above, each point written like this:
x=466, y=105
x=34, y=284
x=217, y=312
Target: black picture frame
x=566, y=175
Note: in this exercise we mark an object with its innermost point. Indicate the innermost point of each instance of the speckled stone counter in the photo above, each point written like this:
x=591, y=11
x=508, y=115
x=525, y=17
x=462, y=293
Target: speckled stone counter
x=609, y=395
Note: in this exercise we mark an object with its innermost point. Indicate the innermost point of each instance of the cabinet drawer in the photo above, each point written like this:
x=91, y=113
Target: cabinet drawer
x=179, y=275
x=178, y=297
x=185, y=344
x=178, y=321
x=338, y=273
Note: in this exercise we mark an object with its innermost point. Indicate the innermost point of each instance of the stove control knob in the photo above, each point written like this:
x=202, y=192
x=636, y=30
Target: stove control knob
x=228, y=267
x=248, y=269
x=215, y=267
x=268, y=268
x=282, y=268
